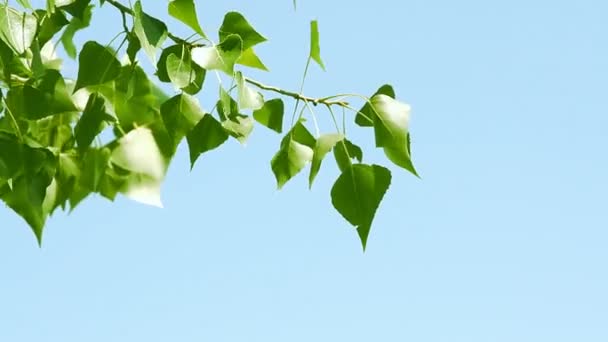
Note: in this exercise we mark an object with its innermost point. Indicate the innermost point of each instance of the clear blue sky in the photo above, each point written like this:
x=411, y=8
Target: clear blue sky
x=503, y=239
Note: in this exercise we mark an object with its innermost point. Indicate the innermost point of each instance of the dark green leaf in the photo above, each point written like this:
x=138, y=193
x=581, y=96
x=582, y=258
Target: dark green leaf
x=180, y=114
x=357, y=194
x=207, y=135
x=97, y=65
x=271, y=115
x=77, y=8
x=235, y=23
x=91, y=122
x=345, y=152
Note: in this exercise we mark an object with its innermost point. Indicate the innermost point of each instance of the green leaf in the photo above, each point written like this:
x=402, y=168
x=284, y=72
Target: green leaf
x=91, y=122
x=290, y=160
x=357, y=193
x=48, y=98
x=76, y=8
x=207, y=135
x=391, y=130
x=345, y=152
x=248, y=98
x=97, y=65
x=237, y=125
x=25, y=3
x=315, y=48
x=133, y=46
x=138, y=152
x=185, y=11
x=295, y=152
x=17, y=29
x=325, y=143
x=150, y=31
x=75, y=25
x=179, y=71
x=271, y=115
x=235, y=23
x=365, y=116
x=28, y=191
x=220, y=57
x=180, y=114
x=50, y=24
x=250, y=59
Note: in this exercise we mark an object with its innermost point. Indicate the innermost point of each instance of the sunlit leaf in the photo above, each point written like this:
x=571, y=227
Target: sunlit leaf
x=345, y=152
x=248, y=98
x=315, y=48
x=325, y=143
x=220, y=57
x=365, y=116
x=150, y=31
x=185, y=11
x=17, y=29
x=391, y=125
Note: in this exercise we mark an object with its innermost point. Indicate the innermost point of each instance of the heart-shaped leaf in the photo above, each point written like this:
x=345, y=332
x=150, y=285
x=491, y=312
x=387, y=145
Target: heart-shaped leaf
x=357, y=194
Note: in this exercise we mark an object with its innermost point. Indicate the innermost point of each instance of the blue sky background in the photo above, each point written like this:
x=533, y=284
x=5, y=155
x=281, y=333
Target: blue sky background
x=503, y=239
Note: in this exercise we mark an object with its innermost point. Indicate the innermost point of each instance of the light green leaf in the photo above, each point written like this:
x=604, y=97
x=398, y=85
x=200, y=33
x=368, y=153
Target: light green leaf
x=365, y=116
x=345, y=152
x=271, y=115
x=17, y=29
x=179, y=71
x=325, y=143
x=220, y=57
x=248, y=98
x=391, y=125
x=290, y=160
x=237, y=125
x=250, y=59
x=139, y=153
x=235, y=23
x=150, y=31
x=315, y=48
x=357, y=194
x=97, y=65
x=25, y=3
x=185, y=11
x=295, y=152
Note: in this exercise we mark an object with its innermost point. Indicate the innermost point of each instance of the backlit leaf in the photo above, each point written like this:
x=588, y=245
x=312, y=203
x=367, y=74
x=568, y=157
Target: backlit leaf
x=207, y=135
x=17, y=29
x=185, y=11
x=365, y=116
x=315, y=47
x=325, y=143
x=391, y=125
x=150, y=31
x=220, y=57
x=97, y=65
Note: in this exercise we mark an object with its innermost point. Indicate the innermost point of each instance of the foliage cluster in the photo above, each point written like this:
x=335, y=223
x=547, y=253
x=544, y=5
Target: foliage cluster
x=54, y=145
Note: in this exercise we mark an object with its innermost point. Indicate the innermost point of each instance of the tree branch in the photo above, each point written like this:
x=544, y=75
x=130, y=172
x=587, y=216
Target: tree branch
x=314, y=101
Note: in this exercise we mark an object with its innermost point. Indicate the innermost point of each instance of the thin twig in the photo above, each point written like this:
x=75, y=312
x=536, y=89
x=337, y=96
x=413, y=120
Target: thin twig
x=314, y=101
